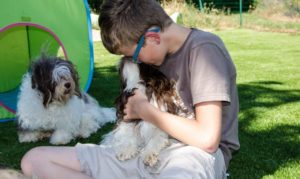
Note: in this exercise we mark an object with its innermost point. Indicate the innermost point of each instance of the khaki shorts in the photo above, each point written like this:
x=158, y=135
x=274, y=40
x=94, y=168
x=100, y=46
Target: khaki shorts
x=177, y=161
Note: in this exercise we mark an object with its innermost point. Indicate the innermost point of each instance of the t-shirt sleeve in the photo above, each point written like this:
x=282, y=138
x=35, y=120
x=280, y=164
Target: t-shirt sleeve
x=211, y=73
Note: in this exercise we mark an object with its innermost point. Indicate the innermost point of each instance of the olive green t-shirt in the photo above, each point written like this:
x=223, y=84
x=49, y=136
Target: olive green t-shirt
x=203, y=71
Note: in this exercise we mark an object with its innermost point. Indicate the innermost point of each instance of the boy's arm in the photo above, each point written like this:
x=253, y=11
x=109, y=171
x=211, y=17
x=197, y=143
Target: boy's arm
x=204, y=132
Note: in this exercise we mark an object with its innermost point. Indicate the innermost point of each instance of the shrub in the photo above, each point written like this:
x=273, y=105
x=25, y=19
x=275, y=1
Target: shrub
x=293, y=7
x=289, y=8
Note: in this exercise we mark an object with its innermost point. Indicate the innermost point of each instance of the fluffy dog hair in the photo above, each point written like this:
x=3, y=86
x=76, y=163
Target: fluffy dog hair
x=129, y=139
x=50, y=104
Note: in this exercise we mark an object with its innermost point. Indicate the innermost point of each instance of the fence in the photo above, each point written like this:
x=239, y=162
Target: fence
x=231, y=5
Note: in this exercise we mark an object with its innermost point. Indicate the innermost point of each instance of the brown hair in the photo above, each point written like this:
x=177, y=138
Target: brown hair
x=122, y=22
x=157, y=85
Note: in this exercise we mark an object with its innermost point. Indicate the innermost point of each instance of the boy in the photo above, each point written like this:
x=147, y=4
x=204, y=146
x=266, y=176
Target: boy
x=205, y=76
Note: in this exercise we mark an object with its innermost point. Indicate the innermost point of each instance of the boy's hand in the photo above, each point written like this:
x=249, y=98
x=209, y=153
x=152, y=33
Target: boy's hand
x=134, y=106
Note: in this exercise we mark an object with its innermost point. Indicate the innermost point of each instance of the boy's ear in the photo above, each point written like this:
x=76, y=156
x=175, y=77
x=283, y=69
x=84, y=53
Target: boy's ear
x=153, y=37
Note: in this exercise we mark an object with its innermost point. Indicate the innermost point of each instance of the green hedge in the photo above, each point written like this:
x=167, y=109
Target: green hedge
x=233, y=5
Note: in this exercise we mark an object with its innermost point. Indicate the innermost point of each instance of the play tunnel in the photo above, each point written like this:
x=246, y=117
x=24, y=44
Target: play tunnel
x=29, y=27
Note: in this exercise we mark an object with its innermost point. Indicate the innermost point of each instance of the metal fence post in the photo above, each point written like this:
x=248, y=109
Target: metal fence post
x=200, y=5
x=241, y=13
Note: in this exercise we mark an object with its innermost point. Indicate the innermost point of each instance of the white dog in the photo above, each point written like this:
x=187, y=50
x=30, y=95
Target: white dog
x=51, y=104
x=129, y=139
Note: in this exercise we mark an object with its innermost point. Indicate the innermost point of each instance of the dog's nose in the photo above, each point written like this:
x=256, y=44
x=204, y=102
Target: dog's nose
x=67, y=85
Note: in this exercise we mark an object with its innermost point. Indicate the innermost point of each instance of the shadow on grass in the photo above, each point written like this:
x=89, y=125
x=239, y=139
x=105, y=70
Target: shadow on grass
x=264, y=151
x=11, y=151
x=105, y=85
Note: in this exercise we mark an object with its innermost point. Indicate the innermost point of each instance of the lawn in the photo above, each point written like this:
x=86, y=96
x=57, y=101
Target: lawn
x=268, y=66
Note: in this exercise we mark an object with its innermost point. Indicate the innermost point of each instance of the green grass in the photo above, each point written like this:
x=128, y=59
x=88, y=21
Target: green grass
x=105, y=84
x=269, y=90
x=268, y=67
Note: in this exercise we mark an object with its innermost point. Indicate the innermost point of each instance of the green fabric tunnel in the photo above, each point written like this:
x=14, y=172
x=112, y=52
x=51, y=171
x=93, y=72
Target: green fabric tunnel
x=29, y=27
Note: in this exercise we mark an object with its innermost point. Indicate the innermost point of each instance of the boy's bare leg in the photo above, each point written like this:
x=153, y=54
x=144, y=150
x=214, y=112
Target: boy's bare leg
x=52, y=162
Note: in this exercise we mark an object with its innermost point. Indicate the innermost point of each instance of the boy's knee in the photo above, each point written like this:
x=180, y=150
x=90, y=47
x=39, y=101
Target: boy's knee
x=26, y=164
x=29, y=160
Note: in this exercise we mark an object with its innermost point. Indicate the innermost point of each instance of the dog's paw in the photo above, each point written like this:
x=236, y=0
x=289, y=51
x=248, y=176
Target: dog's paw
x=127, y=153
x=26, y=136
x=150, y=159
x=60, y=137
x=125, y=156
x=33, y=136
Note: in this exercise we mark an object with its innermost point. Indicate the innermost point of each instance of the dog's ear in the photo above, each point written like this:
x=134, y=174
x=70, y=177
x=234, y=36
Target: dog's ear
x=120, y=103
x=120, y=70
x=47, y=98
x=33, y=82
x=32, y=73
x=36, y=70
x=77, y=87
x=75, y=77
x=119, y=106
x=78, y=92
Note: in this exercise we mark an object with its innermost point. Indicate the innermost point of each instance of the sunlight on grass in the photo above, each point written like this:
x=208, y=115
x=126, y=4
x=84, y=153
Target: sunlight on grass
x=269, y=90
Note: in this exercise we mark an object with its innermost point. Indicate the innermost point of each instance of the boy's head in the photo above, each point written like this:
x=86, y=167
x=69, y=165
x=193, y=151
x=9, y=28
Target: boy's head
x=123, y=22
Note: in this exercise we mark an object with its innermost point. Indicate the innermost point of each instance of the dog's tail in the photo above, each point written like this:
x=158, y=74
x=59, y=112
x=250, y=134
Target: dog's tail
x=107, y=115
x=102, y=114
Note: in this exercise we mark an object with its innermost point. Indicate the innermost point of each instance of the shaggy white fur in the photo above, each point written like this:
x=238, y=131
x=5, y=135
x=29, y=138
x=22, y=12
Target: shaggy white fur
x=77, y=117
x=130, y=139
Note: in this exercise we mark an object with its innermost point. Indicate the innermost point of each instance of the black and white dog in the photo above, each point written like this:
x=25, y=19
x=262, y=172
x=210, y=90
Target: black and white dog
x=50, y=103
x=129, y=139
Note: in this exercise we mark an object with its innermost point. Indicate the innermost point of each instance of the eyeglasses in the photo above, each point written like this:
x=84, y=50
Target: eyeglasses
x=140, y=45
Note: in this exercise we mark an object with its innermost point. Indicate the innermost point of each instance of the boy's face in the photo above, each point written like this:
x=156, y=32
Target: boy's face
x=152, y=51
